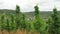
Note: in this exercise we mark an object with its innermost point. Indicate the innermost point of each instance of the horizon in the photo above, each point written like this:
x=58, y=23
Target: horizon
x=25, y=11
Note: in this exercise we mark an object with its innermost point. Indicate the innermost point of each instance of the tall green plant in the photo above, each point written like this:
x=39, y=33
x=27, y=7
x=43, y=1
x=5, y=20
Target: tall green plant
x=3, y=23
x=17, y=20
x=49, y=23
x=8, y=26
x=55, y=26
x=17, y=9
x=23, y=23
x=13, y=23
x=39, y=24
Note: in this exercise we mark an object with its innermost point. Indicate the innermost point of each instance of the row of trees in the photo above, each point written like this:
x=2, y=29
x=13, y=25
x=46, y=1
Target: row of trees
x=19, y=21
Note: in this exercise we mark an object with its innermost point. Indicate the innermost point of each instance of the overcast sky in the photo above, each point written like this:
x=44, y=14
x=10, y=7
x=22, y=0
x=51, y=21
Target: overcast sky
x=28, y=5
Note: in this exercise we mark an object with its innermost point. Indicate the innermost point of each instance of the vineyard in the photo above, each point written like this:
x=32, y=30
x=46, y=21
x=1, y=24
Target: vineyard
x=19, y=24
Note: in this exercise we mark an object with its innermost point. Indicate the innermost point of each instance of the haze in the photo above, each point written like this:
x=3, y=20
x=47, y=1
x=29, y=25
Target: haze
x=28, y=5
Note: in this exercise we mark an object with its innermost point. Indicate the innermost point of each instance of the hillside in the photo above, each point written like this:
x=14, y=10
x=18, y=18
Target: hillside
x=43, y=14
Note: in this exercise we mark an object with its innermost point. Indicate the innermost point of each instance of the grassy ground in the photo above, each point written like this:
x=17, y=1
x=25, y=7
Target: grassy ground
x=18, y=32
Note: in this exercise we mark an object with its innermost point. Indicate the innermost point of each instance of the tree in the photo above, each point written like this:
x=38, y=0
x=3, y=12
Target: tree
x=49, y=23
x=23, y=23
x=8, y=26
x=3, y=23
x=39, y=24
x=55, y=26
x=17, y=19
x=13, y=24
x=17, y=9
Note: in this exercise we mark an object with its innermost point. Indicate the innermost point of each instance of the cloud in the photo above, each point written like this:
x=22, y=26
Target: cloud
x=57, y=0
x=28, y=5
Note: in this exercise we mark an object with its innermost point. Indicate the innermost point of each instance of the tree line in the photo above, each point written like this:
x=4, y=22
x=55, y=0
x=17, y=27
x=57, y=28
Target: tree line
x=19, y=21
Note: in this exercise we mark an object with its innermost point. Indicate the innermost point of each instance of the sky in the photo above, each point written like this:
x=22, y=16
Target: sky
x=28, y=5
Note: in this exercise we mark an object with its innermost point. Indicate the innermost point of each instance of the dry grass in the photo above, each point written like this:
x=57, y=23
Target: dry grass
x=18, y=32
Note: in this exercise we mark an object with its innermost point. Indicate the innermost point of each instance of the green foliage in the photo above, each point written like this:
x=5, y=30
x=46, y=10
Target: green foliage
x=17, y=9
x=49, y=23
x=23, y=23
x=39, y=24
x=13, y=24
x=8, y=26
x=19, y=20
x=3, y=21
x=55, y=24
x=36, y=10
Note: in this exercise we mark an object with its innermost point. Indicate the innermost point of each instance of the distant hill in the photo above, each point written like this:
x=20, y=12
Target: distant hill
x=6, y=11
x=43, y=14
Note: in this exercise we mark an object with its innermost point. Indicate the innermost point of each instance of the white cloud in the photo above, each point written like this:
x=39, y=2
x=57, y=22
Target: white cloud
x=28, y=5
